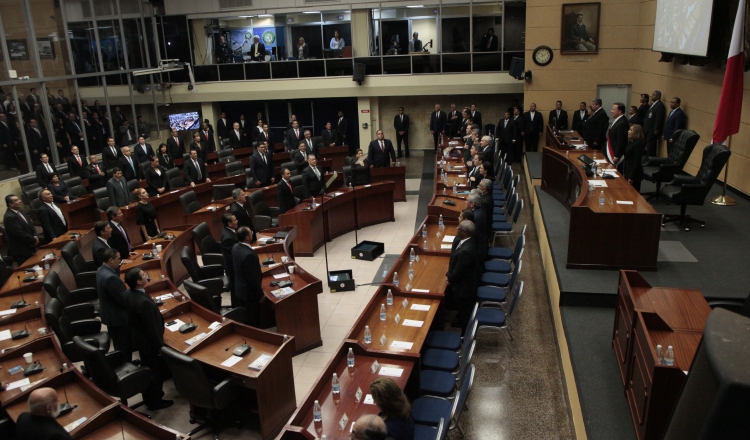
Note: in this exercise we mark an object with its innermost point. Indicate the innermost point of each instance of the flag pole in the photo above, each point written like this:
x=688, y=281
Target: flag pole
x=723, y=199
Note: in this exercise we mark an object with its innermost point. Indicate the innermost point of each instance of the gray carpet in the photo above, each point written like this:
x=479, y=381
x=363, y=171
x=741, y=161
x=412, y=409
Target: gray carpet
x=426, y=187
x=534, y=161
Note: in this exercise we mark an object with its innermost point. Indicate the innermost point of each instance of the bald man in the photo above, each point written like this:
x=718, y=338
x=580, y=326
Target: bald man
x=369, y=427
x=39, y=423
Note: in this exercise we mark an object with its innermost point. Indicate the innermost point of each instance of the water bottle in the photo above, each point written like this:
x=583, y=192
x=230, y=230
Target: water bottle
x=669, y=357
x=335, y=385
x=411, y=271
x=567, y=154
x=382, y=312
x=350, y=358
x=412, y=255
x=317, y=412
x=455, y=188
x=368, y=335
x=389, y=298
x=395, y=279
x=424, y=233
x=659, y=355
x=153, y=249
x=46, y=264
x=594, y=154
x=440, y=222
x=601, y=198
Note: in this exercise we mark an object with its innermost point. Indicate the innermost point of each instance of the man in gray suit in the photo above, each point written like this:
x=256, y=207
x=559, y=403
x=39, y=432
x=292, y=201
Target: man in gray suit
x=112, y=302
x=117, y=189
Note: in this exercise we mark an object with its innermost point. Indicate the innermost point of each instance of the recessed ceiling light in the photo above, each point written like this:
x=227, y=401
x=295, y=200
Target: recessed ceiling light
x=416, y=6
x=311, y=12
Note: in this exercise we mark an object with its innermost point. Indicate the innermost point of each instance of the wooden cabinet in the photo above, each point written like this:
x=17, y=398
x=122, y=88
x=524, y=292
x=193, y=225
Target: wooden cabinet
x=645, y=317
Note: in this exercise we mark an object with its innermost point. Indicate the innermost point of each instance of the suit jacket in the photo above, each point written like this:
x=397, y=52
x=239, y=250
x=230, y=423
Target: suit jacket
x=201, y=149
x=75, y=131
x=118, y=192
x=675, y=121
x=191, y=173
x=124, y=136
x=112, y=300
x=143, y=156
x=480, y=233
x=378, y=157
x=578, y=121
x=618, y=136
x=532, y=129
x=518, y=121
x=37, y=142
x=491, y=40
x=506, y=132
x=33, y=427
x=261, y=49
x=654, y=122
x=596, y=129
x=21, y=236
x=453, y=124
x=222, y=129
x=461, y=270
x=110, y=159
x=561, y=122
x=285, y=196
x=43, y=176
x=263, y=171
x=438, y=121
x=155, y=181
x=247, y=274
x=643, y=112
x=293, y=139
x=207, y=140
x=314, y=186
x=341, y=126
x=235, y=140
x=632, y=161
x=329, y=136
x=52, y=226
x=119, y=241
x=97, y=250
x=228, y=240
x=477, y=117
x=147, y=322
x=311, y=147
x=635, y=119
x=130, y=172
x=75, y=169
x=175, y=150
x=143, y=129
x=95, y=179
x=243, y=216
x=299, y=159
x=165, y=162
x=401, y=125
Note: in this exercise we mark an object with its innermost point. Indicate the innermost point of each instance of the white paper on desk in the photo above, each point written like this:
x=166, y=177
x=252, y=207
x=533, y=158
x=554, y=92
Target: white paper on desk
x=5, y=334
x=231, y=361
x=7, y=312
x=445, y=246
x=214, y=325
x=413, y=323
x=369, y=400
x=402, y=344
x=165, y=296
x=338, y=194
x=420, y=307
x=449, y=238
x=18, y=384
x=391, y=371
x=598, y=183
x=75, y=424
x=264, y=239
x=601, y=161
x=624, y=202
x=421, y=291
x=174, y=327
x=32, y=384
x=281, y=275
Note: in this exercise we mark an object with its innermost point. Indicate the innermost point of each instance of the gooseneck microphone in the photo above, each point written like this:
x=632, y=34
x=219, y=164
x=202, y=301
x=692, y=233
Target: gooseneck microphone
x=65, y=407
x=22, y=303
x=184, y=328
x=240, y=350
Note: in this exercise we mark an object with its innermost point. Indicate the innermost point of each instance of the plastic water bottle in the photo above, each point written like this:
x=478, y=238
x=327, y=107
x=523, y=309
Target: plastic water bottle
x=411, y=271
x=395, y=279
x=153, y=248
x=669, y=357
x=440, y=222
x=350, y=358
x=601, y=198
x=389, y=298
x=412, y=255
x=317, y=412
x=382, y=312
x=424, y=233
x=46, y=264
x=368, y=335
x=335, y=385
x=455, y=188
x=659, y=355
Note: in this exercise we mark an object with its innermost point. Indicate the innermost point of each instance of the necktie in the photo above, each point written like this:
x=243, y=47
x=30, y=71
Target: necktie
x=49, y=170
x=296, y=133
x=382, y=147
x=317, y=173
x=58, y=212
x=289, y=185
x=130, y=160
x=78, y=158
x=237, y=133
x=96, y=167
x=114, y=152
x=505, y=124
x=309, y=145
x=256, y=49
x=264, y=159
x=123, y=186
x=176, y=141
x=37, y=132
x=304, y=155
x=402, y=119
x=130, y=138
x=197, y=168
x=122, y=231
x=22, y=217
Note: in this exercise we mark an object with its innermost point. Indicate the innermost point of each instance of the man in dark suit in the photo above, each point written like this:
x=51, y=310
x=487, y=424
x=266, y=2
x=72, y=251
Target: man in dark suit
x=474, y=203
x=117, y=189
x=262, y=165
x=489, y=41
x=329, y=135
x=44, y=171
x=37, y=141
x=143, y=151
x=506, y=130
x=110, y=154
x=51, y=217
x=62, y=100
x=77, y=164
x=247, y=276
x=675, y=121
x=643, y=108
x=633, y=116
x=112, y=302
x=257, y=50
x=8, y=142
x=147, y=326
x=381, y=152
x=461, y=277
x=236, y=136
x=617, y=136
x=19, y=231
x=299, y=156
x=119, y=240
x=245, y=129
x=130, y=167
x=454, y=121
x=266, y=137
x=415, y=44
x=596, y=127
x=294, y=135
x=103, y=231
x=207, y=138
x=95, y=174
x=142, y=128
x=239, y=210
x=127, y=133
x=284, y=192
x=313, y=179
x=310, y=143
x=486, y=148
x=438, y=124
x=195, y=170
x=654, y=123
x=174, y=146
x=228, y=240
x=39, y=422
x=401, y=124
x=341, y=126
x=476, y=116
x=578, y=117
x=533, y=128
x=222, y=128
x=579, y=37
x=558, y=117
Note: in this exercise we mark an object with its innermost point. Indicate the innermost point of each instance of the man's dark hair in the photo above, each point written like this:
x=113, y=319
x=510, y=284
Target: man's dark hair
x=635, y=109
x=480, y=157
x=132, y=277
x=285, y=169
x=678, y=100
x=243, y=232
x=115, y=170
x=468, y=214
x=110, y=254
x=226, y=219
x=112, y=212
x=8, y=199
x=597, y=101
x=99, y=227
x=620, y=106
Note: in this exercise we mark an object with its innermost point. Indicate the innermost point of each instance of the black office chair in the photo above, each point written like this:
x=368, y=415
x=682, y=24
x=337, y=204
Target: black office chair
x=743, y=308
x=62, y=169
x=56, y=289
x=101, y=199
x=234, y=169
x=72, y=181
x=663, y=169
x=211, y=275
x=689, y=190
x=83, y=271
x=287, y=147
x=298, y=188
x=318, y=143
x=224, y=191
x=75, y=321
x=361, y=176
x=112, y=373
x=348, y=175
x=209, y=247
x=292, y=167
x=189, y=202
x=131, y=186
x=172, y=173
x=199, y=390
x=27, y=182
x=226, y=155
x=265, y=215
x=249, y=178
x=201, y=295
x=78, y=191
x=36, y=205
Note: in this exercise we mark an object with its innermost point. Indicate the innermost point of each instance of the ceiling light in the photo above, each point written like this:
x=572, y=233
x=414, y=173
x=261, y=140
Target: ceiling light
x=311, y=12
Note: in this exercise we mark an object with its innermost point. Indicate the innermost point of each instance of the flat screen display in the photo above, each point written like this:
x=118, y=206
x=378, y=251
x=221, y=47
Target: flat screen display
x=683, y=26
x=184, y=121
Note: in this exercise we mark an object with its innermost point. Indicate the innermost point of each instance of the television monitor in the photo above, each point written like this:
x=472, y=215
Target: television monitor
x=683, y=26
x=185, y=121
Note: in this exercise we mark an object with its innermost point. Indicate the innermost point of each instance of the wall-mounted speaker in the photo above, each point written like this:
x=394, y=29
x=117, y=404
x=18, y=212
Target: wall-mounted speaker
x=516, y=68
x=359, y=73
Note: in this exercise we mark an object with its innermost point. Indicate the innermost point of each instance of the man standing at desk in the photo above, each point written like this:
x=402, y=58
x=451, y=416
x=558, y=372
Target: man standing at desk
x=617, y=137
x=257, y=50
x=415, y=44
x=654, y=123
x=20, y=232
x=329, y=135
x=341, y=125
x=228, y=240
x=284, y=192
x=381, y=152
x=112, y=303
x=578, y=117
x=117, y=190
x=195, y=170
x=51, y=217
x=239, y=210
x=39, y=422
x=401, y=124
x=247, y=276
x=675, y=121
x=438, y=124
x=461, y=278
x=533, y=127
x=294, y=135
x=262, y=165
x=596, y=128
x=103, y=231
x=558, y=117
x=312, y=178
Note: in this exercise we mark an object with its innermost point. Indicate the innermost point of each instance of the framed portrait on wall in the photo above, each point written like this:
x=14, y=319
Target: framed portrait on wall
x=46, y=48
x=18, y=50
x=580, y=28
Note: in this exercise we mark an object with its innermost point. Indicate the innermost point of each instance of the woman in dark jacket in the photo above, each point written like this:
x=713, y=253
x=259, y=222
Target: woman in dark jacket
x=164, y=160
x=631, y=160
x=395, y=409
x=145, y=216
x=60, y=191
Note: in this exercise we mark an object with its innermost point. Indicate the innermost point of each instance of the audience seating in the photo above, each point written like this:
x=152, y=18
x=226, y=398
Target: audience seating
x=84, y=271
x=504, y=265
x=207, y=244
x=82, y=324
x=211, y=276
x=427, y=432
x=447, y=360
x=201, y=295
x=429, y=410
x=189, y=202
x=494, y=318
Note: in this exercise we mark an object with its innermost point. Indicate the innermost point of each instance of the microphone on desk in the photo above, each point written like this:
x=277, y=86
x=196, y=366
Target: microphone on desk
x=241, y=349
x=184, y=328
x=33, y=369
x=22, y=302
x=20, y=334
x=66, y=407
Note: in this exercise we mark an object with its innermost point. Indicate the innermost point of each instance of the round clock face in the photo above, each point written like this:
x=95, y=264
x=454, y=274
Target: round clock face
x=543, y=55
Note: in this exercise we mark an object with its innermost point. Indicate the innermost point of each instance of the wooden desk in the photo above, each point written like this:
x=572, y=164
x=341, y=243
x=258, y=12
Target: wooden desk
x=375, y=203
x=119, y=421
x=38, y=258
x=62, y=240
x=212, y=215
x=337, y=155
x=433, y=241
x=171, y=264
x=34, y=299
x=309, y=222
x=186, y=312
x=592, y=243
x=562, y=139
x=29, y=318
x=646, y=316
x=350, y=379
x=16, y=283
x=396, y=174
x=80, y=211
x=437, y=207
x=339, y=213
x=429, y=271
x=45, y=350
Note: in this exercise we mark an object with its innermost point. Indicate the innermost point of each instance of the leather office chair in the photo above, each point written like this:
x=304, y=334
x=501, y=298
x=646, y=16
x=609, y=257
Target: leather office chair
x=72, y=181
x=76, y=321
x=25, y=182
x=249, y=178
x=30, y=192
x=226, y=155
x=689, y=190
x=101, y=199
x=292, y=167
x=189, y=202
x=349, y=160
x=112, y=373
x=318, y=143
x=131, y=186
x=223, y=191
x=234, y=169
x=204, y=298
x=663, y=169
x=56, y=289
x=172, y=173
x=211, y=275
x=209, y=247
x=287, y=147
x=743, y=308
x=78, y=191
x=61, y=169
x=36, y=205
x=83, y=271
x=348, y=175
x=266, y=215
x=361, y=176
x=201, y=392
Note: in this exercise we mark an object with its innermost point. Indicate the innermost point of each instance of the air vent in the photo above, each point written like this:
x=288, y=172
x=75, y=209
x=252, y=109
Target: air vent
x=234, y=4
